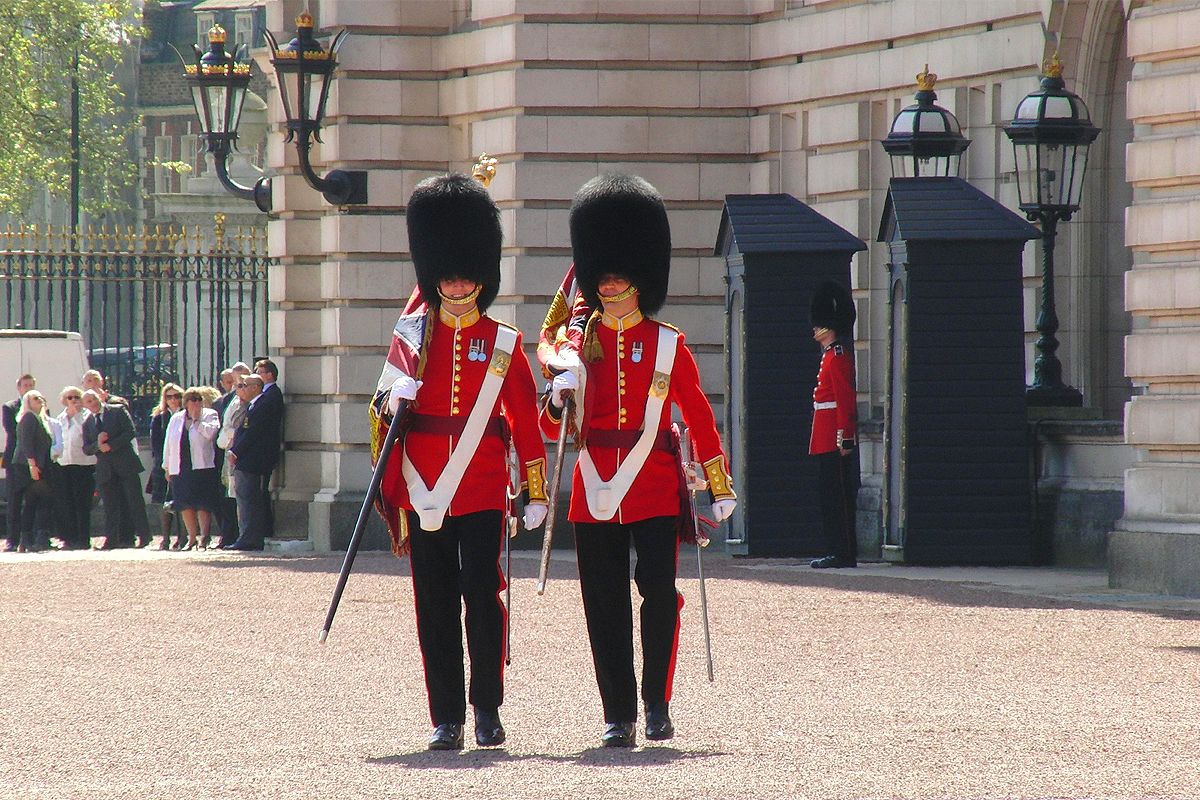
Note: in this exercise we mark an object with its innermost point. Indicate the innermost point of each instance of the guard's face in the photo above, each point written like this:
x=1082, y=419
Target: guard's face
x=611, y=285
x=456, y=288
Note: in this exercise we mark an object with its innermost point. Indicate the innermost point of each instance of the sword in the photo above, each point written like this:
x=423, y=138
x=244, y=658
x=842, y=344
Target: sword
x=510, y=530
x=552, y=511
x=360, y=525
x=685, y=455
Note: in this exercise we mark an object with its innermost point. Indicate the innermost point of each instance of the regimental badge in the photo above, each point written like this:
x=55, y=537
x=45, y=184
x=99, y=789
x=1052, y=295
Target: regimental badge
x=500, y=362
x=637, y=353
x=478, y=350
x=660, y=384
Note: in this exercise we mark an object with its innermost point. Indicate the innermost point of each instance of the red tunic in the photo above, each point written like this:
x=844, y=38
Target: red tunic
x=616, y=390
x=835, y=402
x=456, y=362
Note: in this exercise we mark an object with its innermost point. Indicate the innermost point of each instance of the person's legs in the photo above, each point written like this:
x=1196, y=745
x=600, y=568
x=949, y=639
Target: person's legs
x=602, y=550
x=189, y=523
x=435, y=576
x=657, y=558
x=481, y=582
x=135, y=503
x=204, y=520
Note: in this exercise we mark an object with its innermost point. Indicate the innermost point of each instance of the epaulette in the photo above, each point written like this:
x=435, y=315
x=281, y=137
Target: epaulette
x=503, y=324
x=667, y=325
x=838, y=349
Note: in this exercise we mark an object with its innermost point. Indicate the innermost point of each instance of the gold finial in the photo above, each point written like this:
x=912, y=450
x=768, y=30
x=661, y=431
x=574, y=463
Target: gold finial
x=305, y=20
x=216, y=35
x=219, y=225
x=926, y=79
x=1054, y=67
x=484, y=169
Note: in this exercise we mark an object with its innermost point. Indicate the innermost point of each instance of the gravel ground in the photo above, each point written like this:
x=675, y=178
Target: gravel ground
x=147, y=675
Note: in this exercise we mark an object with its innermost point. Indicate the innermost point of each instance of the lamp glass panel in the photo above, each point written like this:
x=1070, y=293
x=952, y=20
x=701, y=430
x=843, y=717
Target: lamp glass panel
x=1026, y=157
x=237, y=97
x=1059, y=108
x=1079, y=157
x=932, y=122
x=287, y=92
x=218, y=104
x=902, y=166
x=199, y=99
x=1050, y=174
x=904, y=121
x=320, y=89
x=1029, y=107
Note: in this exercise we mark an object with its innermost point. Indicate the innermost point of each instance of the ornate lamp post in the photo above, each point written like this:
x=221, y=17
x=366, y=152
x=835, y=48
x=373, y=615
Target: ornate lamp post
x=304, y=69
x=1051, y=133
x=218, y=83
x=925, y=139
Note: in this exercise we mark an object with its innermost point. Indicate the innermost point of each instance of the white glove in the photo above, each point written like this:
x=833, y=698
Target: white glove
x=563, y=382
x=565, y=360
x=535, y=515
x=403, y=388
x=723, y=509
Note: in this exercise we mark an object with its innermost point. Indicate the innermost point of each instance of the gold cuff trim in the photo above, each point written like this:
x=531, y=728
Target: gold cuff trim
x=719, y=482
x=535, y=480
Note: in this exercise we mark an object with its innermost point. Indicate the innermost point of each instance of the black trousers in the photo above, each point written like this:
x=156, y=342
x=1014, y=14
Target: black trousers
x=16, y=499
x=457, y=565
x=78, y=483
x=124, y=509
x=839, y=502
x=603, y=554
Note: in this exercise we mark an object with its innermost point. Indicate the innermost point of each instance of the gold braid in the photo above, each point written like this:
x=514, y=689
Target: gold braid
x=592, y=350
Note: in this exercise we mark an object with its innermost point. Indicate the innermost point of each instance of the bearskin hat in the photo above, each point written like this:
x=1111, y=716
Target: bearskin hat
x=454, y=232
x=619, y=225
x=833, y=308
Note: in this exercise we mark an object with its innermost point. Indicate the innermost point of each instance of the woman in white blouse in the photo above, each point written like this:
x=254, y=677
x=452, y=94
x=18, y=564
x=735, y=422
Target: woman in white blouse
x=189, y=457
x=77, y=470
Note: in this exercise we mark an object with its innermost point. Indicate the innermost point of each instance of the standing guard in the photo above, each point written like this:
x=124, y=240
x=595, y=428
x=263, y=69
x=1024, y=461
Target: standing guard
x=834, y=423
x=627, y=484
x=467, y=385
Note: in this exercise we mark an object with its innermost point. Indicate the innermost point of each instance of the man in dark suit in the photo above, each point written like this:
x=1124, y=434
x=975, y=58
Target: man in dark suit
x=254, y=454
x=273, y=396
x=117, y=473
x=10, y=411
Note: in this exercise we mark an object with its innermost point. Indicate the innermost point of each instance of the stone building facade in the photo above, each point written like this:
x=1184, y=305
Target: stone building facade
x=712, y=97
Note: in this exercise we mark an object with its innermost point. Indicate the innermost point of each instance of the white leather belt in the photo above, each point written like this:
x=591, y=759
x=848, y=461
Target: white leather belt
x=820, y=406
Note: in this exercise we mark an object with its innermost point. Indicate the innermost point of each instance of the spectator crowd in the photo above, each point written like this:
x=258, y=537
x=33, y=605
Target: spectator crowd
x=212, y=453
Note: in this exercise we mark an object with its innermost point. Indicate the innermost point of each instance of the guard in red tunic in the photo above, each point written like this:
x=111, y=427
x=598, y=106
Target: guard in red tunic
x=468, y=386
x=626, y=485
x=834, y=423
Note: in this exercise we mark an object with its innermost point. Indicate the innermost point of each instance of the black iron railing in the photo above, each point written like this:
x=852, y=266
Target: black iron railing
x=152, y=306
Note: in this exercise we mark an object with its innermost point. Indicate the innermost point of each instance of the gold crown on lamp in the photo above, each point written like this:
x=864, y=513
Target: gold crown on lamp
x=926, y=79
x=1054, y=67
x=305, y=20
x=216, y=35
x=484, y=168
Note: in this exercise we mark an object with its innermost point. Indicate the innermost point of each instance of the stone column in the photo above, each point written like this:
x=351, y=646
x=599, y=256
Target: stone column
x=1156, y=547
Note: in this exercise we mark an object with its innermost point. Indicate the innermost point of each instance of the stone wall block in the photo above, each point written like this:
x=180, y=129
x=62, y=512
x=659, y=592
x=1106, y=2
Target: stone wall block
x=294, y=238
x=652, y=88
x=598, y=135
x=1163, y=290
x=1162, y=355
x=1158, y=37
x=1163, y=226
x=1171, y=421
x=294, y=283
x=389, y=281
x=560, y=87
x=836, y=172
x=356, y=327
x=1164, y=98
x=835, y=125
x=294, y=328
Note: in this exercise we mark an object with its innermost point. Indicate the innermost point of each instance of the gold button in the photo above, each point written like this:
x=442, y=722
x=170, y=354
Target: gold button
x=622, y=382
x=622, y=391
x=457, y=346
x=454, y=410
x=457, y=379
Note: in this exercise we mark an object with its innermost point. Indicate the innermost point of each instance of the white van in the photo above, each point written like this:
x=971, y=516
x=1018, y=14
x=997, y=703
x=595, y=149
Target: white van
x=55, y=358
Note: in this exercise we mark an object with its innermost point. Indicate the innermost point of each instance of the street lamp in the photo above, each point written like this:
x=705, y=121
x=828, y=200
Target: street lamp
x=925, y=139
x=218, y=83
x=304, y=68
x=1051, y=133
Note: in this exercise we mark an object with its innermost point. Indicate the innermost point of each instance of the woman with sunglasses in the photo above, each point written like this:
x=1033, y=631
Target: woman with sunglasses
x=77, y=470
x=170, y=401
x=189, y=457
x=31, y=468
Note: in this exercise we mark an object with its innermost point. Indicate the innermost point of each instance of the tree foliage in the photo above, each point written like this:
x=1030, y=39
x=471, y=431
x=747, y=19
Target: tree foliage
x=38, y=51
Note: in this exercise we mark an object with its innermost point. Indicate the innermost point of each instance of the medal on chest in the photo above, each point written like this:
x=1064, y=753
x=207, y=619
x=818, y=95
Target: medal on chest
x=636, y=356
x=478, y=351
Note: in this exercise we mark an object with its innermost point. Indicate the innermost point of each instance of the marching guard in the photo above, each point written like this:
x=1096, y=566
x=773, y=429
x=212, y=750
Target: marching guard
x=834, y=423
x=628, y=485
x=466, y=386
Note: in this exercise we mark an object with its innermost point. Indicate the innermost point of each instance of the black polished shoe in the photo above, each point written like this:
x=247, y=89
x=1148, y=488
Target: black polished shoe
x=658, y=722
x=240, y=545
x=489, y=732
x=619, y=734
x=447, y=736
x=832, y=562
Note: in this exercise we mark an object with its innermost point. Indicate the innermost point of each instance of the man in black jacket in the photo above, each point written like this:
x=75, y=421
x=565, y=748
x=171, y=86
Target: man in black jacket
x=254, y=454
x=117, y=473
x=10, y=411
